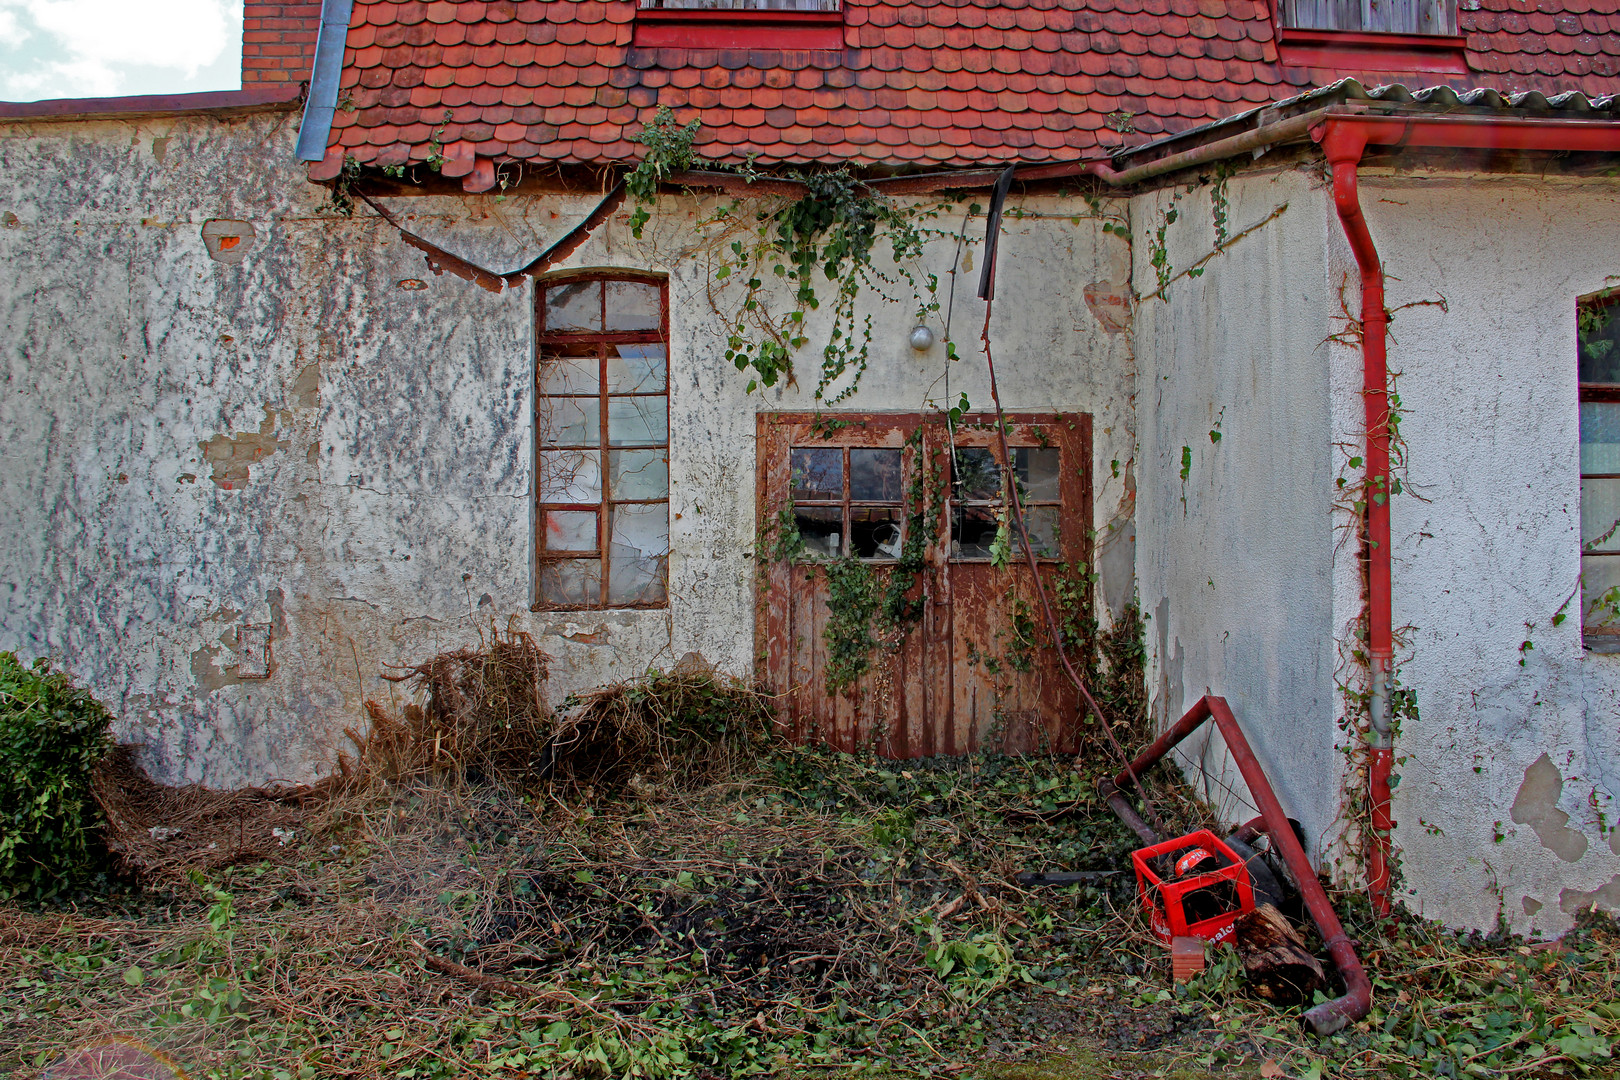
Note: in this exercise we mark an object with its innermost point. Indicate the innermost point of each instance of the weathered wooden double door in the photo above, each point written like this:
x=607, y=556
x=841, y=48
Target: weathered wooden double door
x=897, y=610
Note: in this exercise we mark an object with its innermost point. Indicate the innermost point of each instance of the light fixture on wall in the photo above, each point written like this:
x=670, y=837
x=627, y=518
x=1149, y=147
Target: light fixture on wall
x=922, y=338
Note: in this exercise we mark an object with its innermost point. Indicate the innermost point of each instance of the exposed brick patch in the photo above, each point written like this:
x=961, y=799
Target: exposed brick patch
x=278, y=42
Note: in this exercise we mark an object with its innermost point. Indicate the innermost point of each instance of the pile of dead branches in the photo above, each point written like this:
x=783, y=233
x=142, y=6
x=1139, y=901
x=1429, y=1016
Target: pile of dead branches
x=683, y=730
x=157, y=832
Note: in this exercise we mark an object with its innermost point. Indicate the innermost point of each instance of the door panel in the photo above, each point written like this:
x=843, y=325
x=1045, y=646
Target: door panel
x=966, y=670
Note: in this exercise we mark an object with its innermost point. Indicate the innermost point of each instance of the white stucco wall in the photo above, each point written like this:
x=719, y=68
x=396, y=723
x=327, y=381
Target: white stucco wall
x=1510, y=770
x=1235, y=562
x=1487, y=547
x=390, y=517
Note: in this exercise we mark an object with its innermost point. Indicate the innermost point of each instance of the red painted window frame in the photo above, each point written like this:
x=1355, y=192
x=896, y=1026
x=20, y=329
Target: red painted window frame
x=1353, y=51
x=731, y=28
x=603, y=507
x=1599, y=638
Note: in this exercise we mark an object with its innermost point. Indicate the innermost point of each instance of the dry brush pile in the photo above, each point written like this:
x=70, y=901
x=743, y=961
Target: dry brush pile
x=640, y=883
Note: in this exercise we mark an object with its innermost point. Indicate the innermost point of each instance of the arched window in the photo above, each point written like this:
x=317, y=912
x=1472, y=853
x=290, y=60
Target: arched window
x=602, y=443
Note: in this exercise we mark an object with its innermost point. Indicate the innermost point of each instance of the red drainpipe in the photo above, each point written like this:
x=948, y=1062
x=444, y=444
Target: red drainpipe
x=1343, y=144
x=1343, y=140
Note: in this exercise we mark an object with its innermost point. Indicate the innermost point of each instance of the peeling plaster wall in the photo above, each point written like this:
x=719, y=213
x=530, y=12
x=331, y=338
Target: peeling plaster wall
x=1510, y=764
x=1235, y=562
x=1255, y=586
x=226, y=409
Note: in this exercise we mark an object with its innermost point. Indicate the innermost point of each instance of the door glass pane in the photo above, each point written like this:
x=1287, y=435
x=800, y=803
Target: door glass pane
x=874, y=531
x=977, y=475
x=571, y=581
x=639, y=474
x=574, y=308
x=638, y=421
x=631, y=305
x=570, y=530
x=1037, y=471
x=639, y=554
x=817, y=474
x=1042, y=525
x=570, y=422
x=1600, y=515
x=636, y=369
x=570, y=374
x=874, y=475
x=1600, y=436
x=973, y=530
x=821, y=530
x=570, y=476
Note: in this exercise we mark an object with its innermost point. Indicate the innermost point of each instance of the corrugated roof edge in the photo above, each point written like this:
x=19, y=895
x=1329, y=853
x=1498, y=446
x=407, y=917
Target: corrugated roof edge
x=1436, y=99
x=218, y=102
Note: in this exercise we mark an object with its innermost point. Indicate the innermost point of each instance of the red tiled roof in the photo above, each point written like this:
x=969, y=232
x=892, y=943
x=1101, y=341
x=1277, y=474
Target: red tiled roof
x=939, y=83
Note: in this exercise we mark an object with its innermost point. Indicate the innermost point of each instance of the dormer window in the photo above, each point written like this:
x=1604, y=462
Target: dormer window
x=741, y=5
x=1352, y=36
x=740, y=24
x=1370, y=16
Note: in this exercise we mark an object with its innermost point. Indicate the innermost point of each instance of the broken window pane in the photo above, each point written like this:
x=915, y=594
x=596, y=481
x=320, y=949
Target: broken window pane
x=821, y=530
x=639, y=474
x=977, y=475
x=874, y=475
x=973, y=530
x=570, y=476
x=817, y=474
x=636, y=369
x=570, y=374
x=1037, y=471
x=570, y=530
x=874, y=531
x=639, y=556
x=632, y=305
x=638, y=421
x=1042, y=524
x=574, y=308
x=571, y=582
x=570, y=421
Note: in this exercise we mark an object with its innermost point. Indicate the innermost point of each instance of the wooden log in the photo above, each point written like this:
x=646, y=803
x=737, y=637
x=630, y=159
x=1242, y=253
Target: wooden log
x=1279, y=966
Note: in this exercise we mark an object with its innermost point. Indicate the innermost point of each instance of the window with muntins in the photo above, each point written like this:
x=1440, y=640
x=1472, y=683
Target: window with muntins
x=602, y=444
x=1370, y=16
x=1598, y=345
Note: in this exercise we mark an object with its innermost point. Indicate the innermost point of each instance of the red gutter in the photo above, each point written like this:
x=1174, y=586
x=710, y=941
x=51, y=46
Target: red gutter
x=1330, y=1016
x=1343, y=140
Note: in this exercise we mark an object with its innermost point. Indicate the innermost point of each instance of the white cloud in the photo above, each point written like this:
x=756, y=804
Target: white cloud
x=86, y=48
x=183, y=34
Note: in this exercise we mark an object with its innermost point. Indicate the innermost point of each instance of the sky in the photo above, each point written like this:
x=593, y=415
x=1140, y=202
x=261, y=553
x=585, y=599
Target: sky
x=103, y=48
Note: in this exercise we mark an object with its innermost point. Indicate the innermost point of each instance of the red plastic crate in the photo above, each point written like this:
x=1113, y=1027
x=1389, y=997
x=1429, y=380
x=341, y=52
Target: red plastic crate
x=1165, y=901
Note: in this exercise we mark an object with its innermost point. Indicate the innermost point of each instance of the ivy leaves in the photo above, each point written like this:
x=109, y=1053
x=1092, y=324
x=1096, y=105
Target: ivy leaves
x=828, y=234
x=669, y=151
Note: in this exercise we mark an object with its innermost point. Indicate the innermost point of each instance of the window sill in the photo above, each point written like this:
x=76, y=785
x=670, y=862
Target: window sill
x=738, y=29
x=1349, y=50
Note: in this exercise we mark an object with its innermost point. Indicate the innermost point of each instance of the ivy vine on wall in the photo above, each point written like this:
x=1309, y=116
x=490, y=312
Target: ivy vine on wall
x=824, y=239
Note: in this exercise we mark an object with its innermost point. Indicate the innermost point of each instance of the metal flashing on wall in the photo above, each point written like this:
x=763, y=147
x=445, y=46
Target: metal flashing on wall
x=321, y=105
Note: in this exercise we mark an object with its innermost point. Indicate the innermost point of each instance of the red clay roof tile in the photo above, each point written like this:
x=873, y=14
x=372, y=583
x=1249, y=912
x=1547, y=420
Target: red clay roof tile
x=942, y=81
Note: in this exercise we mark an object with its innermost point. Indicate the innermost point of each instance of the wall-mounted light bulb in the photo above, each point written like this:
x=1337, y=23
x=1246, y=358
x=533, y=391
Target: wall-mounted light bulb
x=922, y=339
